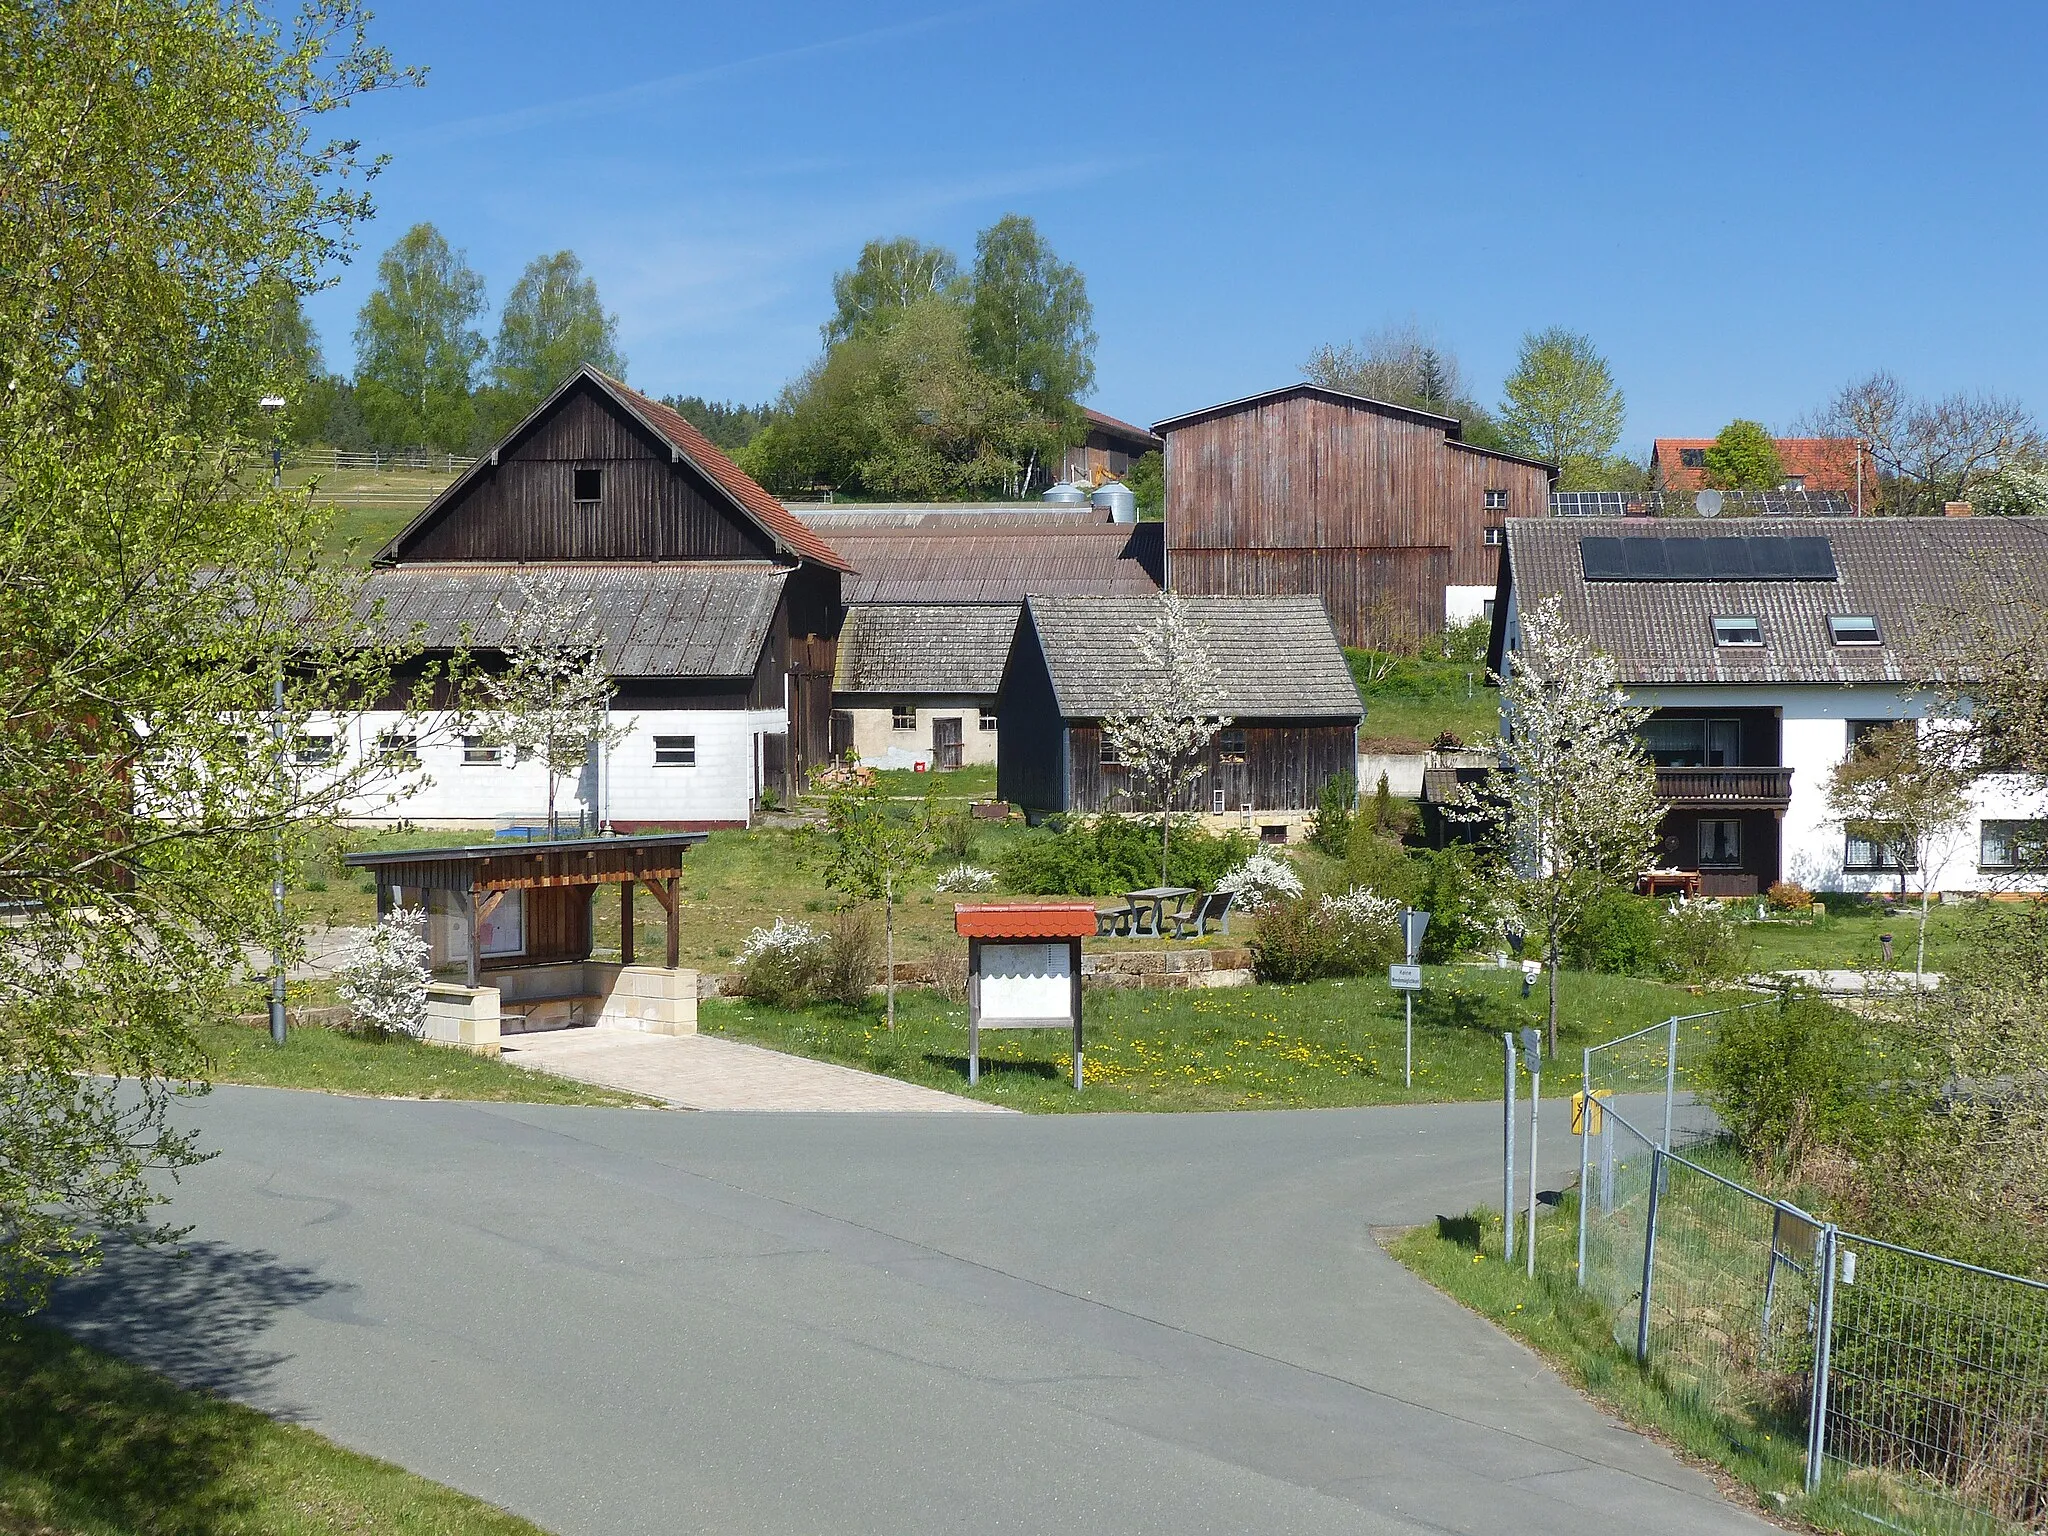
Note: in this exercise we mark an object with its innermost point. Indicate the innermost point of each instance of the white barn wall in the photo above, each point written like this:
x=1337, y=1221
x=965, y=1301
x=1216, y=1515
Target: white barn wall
x=878, y=743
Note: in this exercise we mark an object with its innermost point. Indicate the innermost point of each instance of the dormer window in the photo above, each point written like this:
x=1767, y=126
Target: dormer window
x=589, y=487
x=1739, y=632
x=1853, y=629
x=1692, y=458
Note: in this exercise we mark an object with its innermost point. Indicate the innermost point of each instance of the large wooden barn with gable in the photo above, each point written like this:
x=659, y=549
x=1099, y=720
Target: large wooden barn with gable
x=720, y=613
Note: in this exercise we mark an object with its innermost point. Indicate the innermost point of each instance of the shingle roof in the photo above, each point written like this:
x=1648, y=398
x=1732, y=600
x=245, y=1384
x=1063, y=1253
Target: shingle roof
x=1907, y=573
x=925, y=648
x=991, y=557
x=665, y=620
x=1278, y=656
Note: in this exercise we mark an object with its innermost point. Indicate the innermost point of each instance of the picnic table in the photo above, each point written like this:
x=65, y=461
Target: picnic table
x=1658, y=882
x=1158, y=896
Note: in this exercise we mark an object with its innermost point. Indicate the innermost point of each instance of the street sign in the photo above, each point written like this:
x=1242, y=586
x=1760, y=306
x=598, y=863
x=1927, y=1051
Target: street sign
x=1413, y=924
x=1405, y=978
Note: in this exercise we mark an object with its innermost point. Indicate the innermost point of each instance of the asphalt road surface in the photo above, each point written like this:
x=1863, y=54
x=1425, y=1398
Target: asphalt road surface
x=618, y=1321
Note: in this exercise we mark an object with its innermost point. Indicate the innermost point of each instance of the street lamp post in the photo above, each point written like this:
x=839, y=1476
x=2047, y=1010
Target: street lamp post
x=273, y=406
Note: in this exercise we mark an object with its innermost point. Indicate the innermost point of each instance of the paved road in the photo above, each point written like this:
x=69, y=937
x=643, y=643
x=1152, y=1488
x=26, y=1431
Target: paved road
x=631, y=1321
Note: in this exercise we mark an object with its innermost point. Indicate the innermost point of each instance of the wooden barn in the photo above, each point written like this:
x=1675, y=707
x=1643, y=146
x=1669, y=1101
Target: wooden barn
x=719, y=613
x=1108, y=450
x=1293, y=707
x=1383, y=512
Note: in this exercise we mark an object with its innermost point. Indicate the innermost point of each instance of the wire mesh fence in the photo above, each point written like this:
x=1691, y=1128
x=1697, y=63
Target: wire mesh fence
x=1616, y=1202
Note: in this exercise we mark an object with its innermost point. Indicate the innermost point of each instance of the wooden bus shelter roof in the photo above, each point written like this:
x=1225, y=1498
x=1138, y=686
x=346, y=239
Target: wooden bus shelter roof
x=529, y=866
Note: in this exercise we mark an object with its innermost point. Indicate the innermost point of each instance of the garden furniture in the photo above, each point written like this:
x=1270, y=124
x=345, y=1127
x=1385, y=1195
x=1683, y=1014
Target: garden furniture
x=1157, y=896
x=1115, y=919
x=1210, y=907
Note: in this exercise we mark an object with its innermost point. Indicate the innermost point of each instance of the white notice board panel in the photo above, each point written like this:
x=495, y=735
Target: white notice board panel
x=1027, y=981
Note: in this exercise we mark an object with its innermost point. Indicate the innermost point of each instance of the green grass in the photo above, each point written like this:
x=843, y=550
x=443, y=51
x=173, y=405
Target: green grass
x=1847, y=936
x=332, y=1061
x=974, y=782
x=1318, y=1044
x=368, y=507
x=91, y=1445
x=1420, y=699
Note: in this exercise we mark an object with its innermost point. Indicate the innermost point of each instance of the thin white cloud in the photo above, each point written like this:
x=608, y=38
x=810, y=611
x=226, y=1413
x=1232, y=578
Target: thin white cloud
x=601, y=103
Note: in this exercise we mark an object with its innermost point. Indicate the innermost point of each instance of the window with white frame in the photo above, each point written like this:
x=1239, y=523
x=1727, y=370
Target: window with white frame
x=1108, y=756
x=1494, y=537
x=1496, y=501
x=1853, y=629
x=675, y=751
x=311, y=751
x=1720, y=842
x=989, y=720
x=903, y=717
x=1742, y=631
x=479, y=752
x=397, y=748
x=1865, y=853
x=2013, y=845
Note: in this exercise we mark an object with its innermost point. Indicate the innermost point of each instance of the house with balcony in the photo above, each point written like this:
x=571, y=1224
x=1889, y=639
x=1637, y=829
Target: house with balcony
x=1765, y=652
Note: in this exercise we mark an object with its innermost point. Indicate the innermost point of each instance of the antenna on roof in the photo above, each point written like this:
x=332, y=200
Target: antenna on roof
x=1707, y=504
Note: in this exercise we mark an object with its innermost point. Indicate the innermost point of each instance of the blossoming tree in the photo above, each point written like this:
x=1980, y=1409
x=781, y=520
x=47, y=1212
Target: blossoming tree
x=1162, y=741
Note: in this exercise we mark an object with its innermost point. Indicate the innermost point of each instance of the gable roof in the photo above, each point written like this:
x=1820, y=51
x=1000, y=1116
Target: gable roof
x=1277, y=656
x=1452, y=428
x=668, y=620
x=906, y=556
x=1111, y=427
x=746, y=497
x=1907, y=573
x=925, y=648
x=1821, y=463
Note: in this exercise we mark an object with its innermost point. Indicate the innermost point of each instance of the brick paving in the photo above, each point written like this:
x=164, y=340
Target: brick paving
x=704, y=1072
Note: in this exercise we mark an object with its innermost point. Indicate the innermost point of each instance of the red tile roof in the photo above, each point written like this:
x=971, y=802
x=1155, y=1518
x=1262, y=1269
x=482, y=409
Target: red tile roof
x=784, y=525
x=1820, y=463
x=1025, y=920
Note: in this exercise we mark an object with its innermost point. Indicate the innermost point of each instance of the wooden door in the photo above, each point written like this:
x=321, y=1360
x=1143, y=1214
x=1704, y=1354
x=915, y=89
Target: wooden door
x=946, y=745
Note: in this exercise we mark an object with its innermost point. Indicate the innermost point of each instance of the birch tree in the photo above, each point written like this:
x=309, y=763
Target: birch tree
x=1907, y=796
x=1574, y=803
x=552, y=701
x=1162, y=741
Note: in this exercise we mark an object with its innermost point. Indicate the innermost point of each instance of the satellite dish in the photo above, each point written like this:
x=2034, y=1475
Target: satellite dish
x=1708, y=504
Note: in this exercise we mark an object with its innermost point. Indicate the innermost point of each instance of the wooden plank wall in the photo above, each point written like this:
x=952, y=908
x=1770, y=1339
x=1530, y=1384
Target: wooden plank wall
x=1285, y=768
x=1373, y=595
x=557, y=927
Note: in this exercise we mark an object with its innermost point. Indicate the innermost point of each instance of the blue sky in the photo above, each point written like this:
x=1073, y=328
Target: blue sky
x=1744, y=205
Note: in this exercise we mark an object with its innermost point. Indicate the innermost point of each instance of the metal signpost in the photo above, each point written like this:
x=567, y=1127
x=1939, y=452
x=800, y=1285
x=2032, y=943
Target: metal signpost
x=1407, y=980
x=1532, y=1052
x=1507, y=1142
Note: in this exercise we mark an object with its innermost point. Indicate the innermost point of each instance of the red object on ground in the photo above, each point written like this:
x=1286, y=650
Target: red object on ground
x=1025, y=920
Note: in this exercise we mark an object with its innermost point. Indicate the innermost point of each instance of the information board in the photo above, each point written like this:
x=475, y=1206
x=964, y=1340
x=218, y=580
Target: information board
x=1026, y=981
x=1405, y=978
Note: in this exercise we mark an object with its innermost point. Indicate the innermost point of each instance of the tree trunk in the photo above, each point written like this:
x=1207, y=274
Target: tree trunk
x=1550, y=964
x=1920, y=954
x=551, y=802
x=1165, y=833
x=889, y=943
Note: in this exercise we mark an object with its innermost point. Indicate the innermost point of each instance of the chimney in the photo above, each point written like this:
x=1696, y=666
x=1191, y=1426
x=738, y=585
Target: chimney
x=1956, y=509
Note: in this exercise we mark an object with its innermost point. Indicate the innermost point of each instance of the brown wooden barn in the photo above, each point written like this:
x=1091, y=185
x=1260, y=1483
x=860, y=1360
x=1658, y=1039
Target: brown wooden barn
x=1293, y=707
x=1382, y=511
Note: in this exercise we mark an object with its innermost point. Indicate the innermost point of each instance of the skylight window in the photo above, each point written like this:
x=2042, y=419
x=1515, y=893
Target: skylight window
x=1738, y=632
x=1853, y=629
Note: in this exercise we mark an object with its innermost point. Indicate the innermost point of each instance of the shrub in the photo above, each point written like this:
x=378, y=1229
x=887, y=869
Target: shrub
x=1701, y=942
x=383, y=977
x=1349, y=934
x=782, y=966
x=1467, y=641
x=953, y=834
x=1381, y=864
x=1262, y=880
x=1113, y=854
x=1788, y=896
x=849, y=957
x=1788, y=1081
x=1619, y=933
x=966, y=877
x=1462, y=909
x=1336, y=808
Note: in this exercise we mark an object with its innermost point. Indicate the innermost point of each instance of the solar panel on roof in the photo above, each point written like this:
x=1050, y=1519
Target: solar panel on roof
x=1737, y=558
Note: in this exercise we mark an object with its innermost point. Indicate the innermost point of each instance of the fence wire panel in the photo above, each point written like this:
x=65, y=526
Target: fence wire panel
x=1937, y=1407
x=1734, y=1300
x=1617, y=1201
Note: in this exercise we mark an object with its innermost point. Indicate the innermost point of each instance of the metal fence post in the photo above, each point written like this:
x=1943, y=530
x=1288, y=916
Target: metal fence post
x=1585, y=1154
x=1670, y=1078
x=1507, y=1100
x=1817, y=1422
x=1649, y=1257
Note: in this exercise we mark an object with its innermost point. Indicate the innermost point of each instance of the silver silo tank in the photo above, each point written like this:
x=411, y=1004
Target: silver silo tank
x=1065, y=493
x=1117, y=499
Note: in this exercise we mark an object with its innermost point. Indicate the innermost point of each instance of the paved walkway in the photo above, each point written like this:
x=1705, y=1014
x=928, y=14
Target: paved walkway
x=704, y=1072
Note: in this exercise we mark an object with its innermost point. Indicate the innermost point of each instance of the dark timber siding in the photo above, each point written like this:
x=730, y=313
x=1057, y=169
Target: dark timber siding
x=557, y=928
x=1372, y=510
x=1030, y=736
x=524, y=507
x=1285, y=768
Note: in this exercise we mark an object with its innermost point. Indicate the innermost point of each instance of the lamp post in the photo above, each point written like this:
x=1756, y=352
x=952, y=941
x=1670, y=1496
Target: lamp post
x=272, y=406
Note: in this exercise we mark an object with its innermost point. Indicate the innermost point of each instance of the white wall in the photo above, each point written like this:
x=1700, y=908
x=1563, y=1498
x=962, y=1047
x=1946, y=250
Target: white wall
x=879, y=744
x=1462, y=604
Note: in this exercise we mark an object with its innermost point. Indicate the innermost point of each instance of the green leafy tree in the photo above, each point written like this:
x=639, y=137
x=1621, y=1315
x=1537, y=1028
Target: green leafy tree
x=1908, y=794
x=553, y=323
x=889, y=278
x=1744, y=458
x=1562, y=405
x=1404, y=365
x=1147, y=479
x=1032, y=326
x=728, y=424
x=151, y=589
x=417, y=346
x=868, y=847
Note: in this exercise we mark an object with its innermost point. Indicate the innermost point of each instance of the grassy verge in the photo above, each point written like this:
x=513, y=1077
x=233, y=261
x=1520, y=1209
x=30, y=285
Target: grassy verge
x=1319, y=1044
x=333, y=1062
x=1418, y=699
x=91, y=1445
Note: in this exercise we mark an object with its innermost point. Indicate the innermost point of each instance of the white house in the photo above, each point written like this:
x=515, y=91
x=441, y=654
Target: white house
x=1765, y=649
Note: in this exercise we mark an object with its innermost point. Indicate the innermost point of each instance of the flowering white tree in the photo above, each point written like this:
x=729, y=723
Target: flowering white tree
x=1162, y=739
x=383, y=977
x=1261, y=880
x=553, y=699
x=1574, y=802
x=1906, y=792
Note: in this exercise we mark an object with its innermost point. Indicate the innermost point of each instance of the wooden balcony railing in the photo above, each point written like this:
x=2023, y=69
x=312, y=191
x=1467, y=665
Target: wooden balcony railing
x=1763, y=787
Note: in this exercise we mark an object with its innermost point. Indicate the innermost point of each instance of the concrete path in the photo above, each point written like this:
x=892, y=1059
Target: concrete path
x=620, y=1322
x=704, y=1072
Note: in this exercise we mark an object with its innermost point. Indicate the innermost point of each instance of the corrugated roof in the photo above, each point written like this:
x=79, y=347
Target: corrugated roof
x=663, y=620
x=982, y=557
x=925, y=648
x=1909, y=574
x=1278, y=656
x=1124, y=428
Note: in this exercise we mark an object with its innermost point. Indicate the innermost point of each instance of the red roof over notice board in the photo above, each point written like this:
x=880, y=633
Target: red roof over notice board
x=1025, y=920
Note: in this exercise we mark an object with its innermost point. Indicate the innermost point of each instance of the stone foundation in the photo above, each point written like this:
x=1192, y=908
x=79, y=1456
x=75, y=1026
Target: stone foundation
x=1168, y=968
x=464, y=1017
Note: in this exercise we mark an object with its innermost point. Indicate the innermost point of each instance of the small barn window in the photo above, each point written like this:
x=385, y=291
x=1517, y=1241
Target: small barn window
x=988, y=719
x=675, y=751
x=1109, y=757
x=1495, y=535
x=1740, y=631
x=478, y=753
x=1496, y=501
x=392, y=747
x=903, y=717
x=1853, y=629
x=312, y=750
x=1230, y=744
x=589, y=486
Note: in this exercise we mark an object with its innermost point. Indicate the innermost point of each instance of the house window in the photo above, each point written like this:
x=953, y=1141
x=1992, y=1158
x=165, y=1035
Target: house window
x=1740, y=632
x=1853, y=629
x=988, y=719
x=1863, y=732
x=1720, y=843
x=1230, y=744
x=479, y=753
x=1486, y=609
x=903, y=717
x=2013, y=845
x=675, y=751
x=1679, y=743
x=1692, y=458
x=1109, y=757
x=311, y=751
x=1496, y=501
x=397, y=749
x=1869, y=854
x=1794, y=483
x=1494, y=536
x=589, y=486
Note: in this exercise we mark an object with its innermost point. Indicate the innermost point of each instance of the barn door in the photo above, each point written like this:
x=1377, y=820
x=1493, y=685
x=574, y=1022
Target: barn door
x=946, y=746
x=842, y=734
